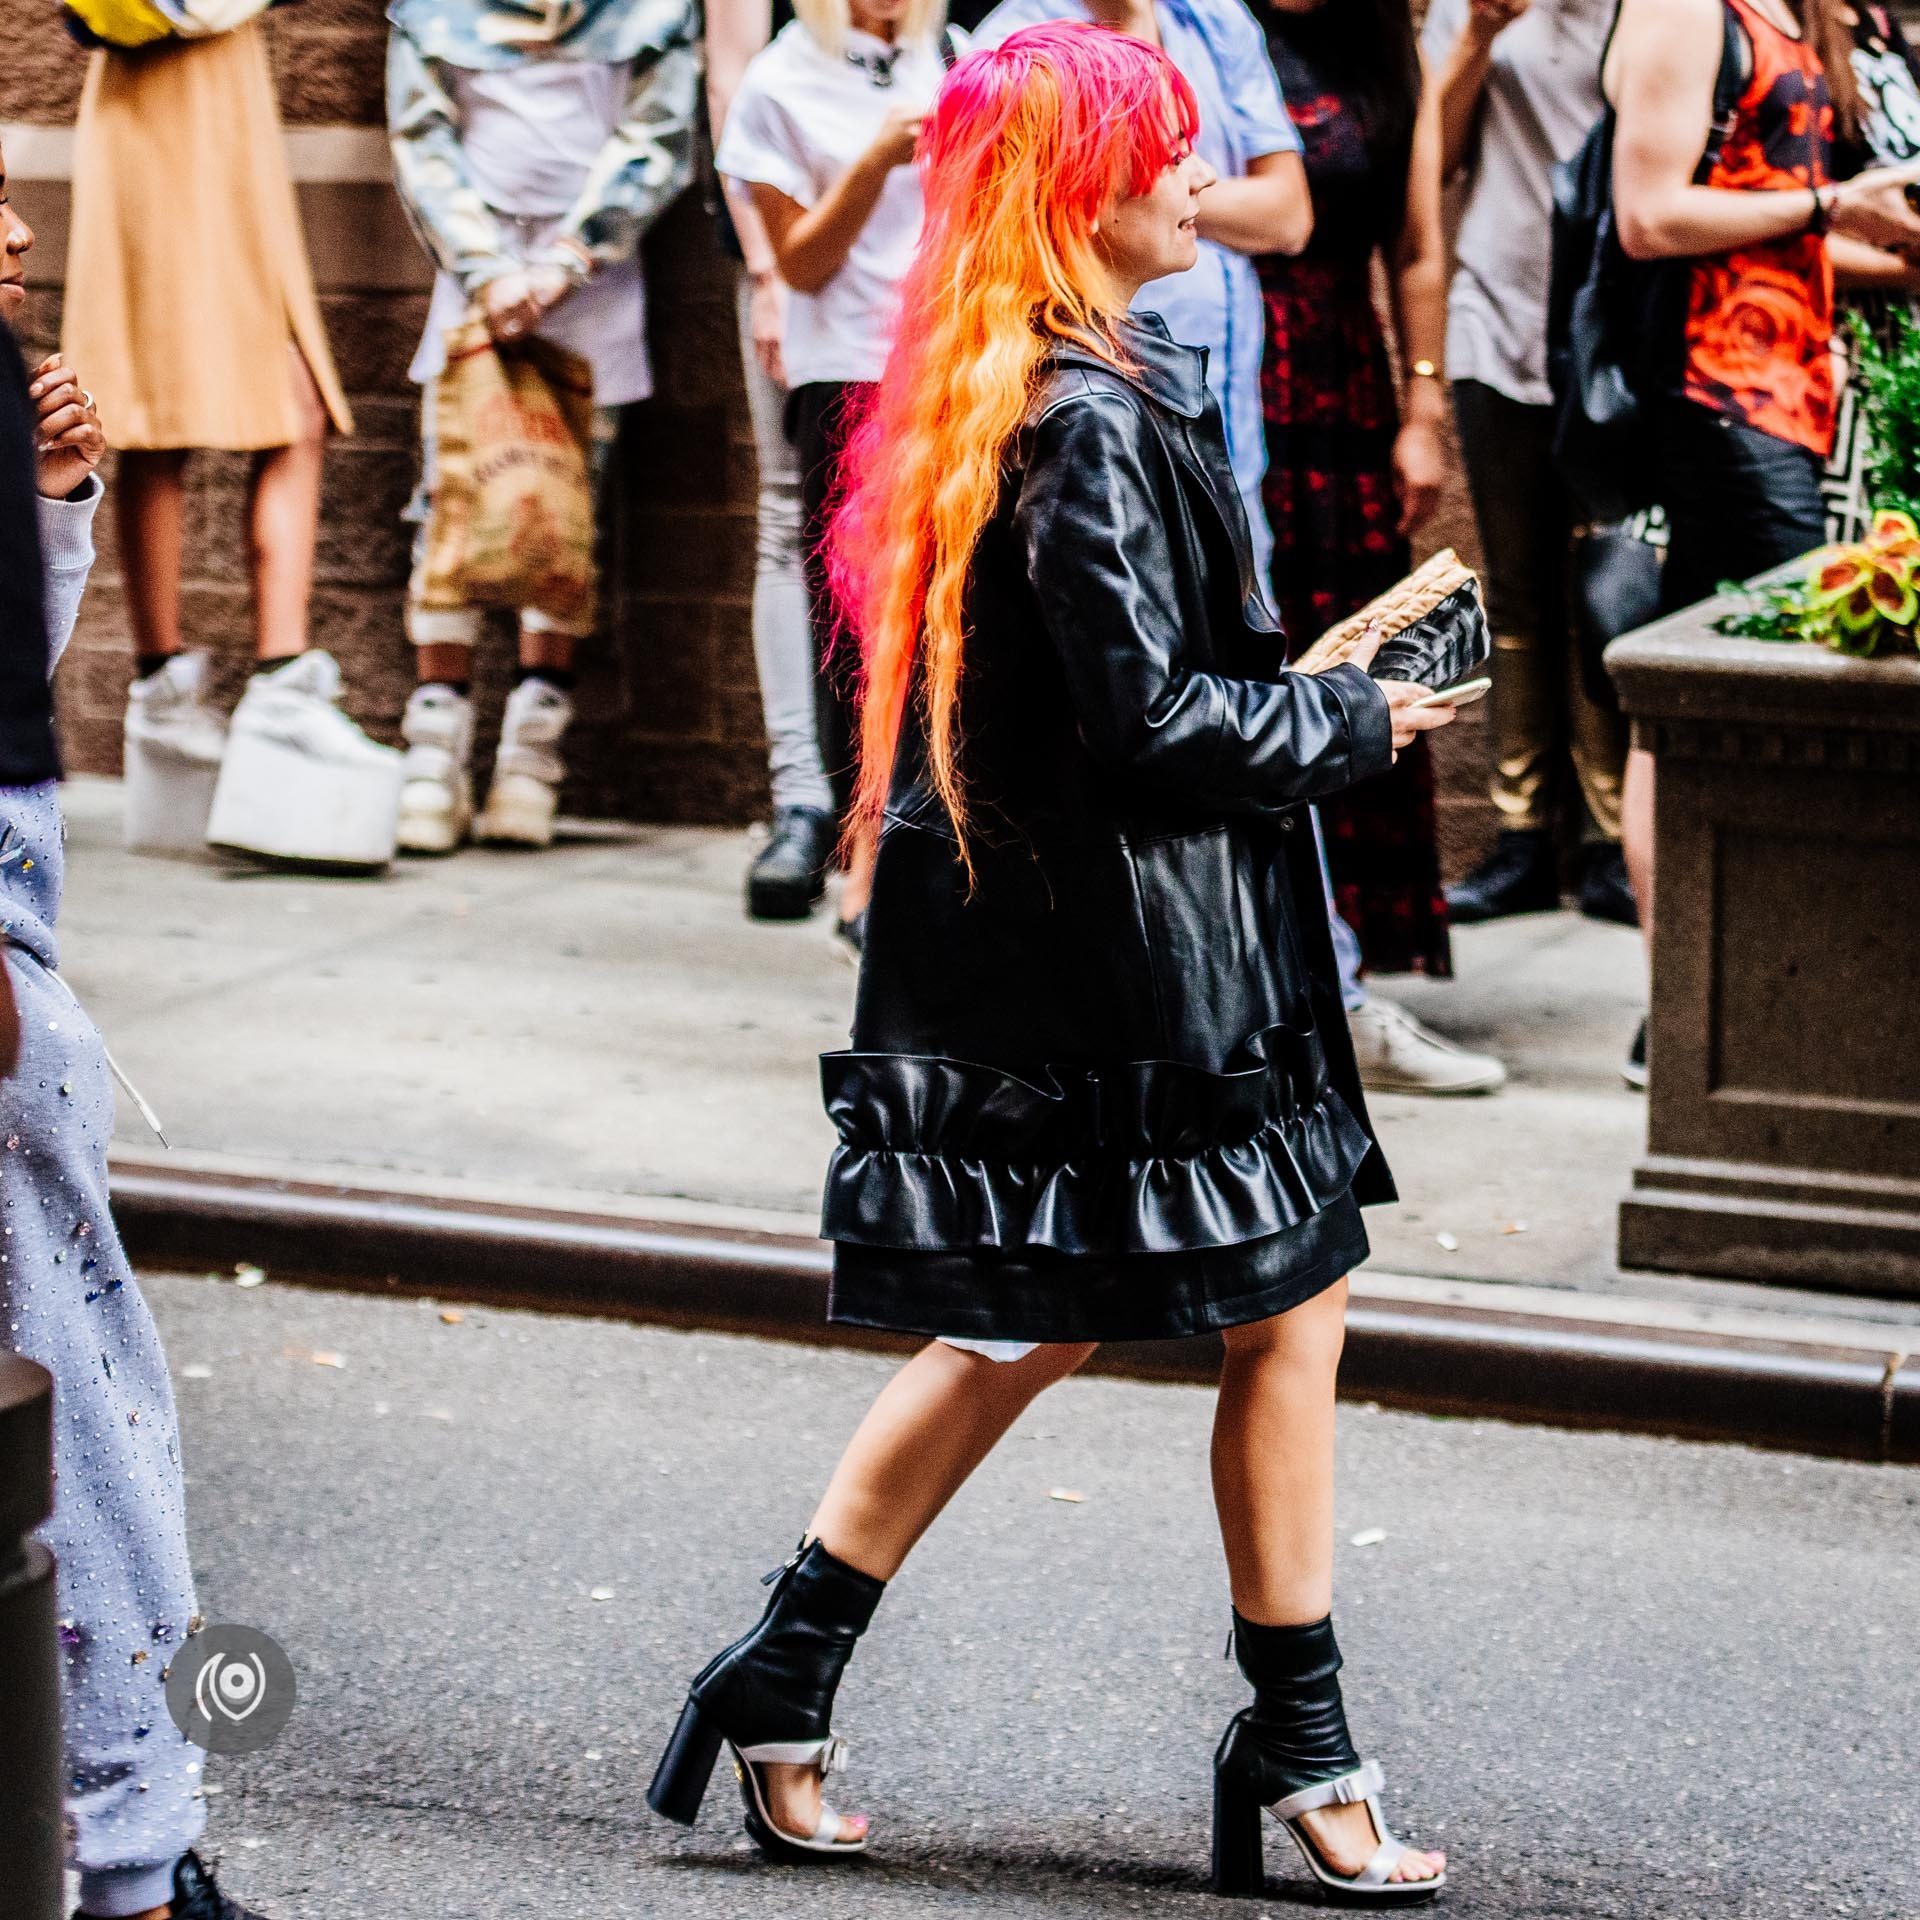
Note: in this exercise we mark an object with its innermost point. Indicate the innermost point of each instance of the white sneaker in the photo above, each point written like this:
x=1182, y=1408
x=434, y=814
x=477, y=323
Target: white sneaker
x=527, y=770
x=173, y=744
x=1398, y=1055
x=300, y=781
x=436, y=799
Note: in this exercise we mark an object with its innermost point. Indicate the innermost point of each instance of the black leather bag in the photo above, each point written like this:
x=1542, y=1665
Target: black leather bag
x=1616, y=327
x=1441, y=647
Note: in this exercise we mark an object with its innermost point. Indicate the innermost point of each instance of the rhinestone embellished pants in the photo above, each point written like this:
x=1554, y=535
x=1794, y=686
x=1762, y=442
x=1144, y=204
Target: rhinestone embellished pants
x=68, y=1300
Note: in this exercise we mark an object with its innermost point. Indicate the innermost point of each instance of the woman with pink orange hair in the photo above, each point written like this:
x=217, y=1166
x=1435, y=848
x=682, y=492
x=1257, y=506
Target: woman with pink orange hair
x=1100, y=1086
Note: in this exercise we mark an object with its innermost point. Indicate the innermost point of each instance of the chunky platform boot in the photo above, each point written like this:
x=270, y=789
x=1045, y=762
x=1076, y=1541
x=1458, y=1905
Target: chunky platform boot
x=769, y=1699
x=1290, y=1753
x=789, y=877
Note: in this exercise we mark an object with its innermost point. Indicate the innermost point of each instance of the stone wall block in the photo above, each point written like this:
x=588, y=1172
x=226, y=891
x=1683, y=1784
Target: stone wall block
x=363, y=541
x=373, y=339
x=41, y=76
x=330, y=76
x=674, y=456
x=688, y=556
x=666, y=652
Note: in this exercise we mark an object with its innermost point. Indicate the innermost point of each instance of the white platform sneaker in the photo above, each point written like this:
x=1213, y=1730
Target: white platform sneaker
x=174, y=741
x=300, y=781
x=436, y=795
x=1398, y=1055
x=528, y=770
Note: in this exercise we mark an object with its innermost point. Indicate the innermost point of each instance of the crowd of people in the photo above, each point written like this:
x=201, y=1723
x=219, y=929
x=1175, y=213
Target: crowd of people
x=1265, y=451
x=1344, y=333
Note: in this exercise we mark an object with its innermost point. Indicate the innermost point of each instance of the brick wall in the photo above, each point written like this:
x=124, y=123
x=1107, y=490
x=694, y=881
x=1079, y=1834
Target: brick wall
x=670, y=720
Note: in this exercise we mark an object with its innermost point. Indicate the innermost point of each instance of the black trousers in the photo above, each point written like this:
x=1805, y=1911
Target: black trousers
x=820, y=415
x=1738, y=501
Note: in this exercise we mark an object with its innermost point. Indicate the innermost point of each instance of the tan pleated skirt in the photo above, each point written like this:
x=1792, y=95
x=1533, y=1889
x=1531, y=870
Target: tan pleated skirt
x=187, y=273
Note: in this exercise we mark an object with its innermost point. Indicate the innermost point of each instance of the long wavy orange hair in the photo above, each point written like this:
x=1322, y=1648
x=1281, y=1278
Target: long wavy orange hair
x=1025, y=147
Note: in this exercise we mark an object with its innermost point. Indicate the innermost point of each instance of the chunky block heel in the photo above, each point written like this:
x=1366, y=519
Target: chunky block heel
x=1239, y=1857
x=1289, y=1755
x=680, y=1780
x=768, y=1699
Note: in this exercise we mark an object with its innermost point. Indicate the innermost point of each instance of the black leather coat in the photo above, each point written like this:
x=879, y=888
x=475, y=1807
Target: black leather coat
x=1126, y=1039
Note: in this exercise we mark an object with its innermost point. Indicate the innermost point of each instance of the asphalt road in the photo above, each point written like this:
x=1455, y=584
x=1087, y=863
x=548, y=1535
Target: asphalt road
x=1613, y=1676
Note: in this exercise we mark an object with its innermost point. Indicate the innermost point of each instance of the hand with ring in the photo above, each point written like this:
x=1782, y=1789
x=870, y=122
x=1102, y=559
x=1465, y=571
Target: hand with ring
x=515, y=304
x=68, y=438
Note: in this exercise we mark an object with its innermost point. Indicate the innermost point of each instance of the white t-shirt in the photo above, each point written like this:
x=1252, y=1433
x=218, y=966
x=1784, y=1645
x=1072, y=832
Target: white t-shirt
x=801, y=118
x=531, y=134
x=1542, y=96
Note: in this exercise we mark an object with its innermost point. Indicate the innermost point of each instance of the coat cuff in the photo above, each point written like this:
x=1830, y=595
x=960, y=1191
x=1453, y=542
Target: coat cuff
x=66, y=528
x=1369, y=721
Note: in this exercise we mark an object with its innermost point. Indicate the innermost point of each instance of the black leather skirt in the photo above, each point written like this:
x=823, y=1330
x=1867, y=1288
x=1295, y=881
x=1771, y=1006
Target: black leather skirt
x=1037, y=1294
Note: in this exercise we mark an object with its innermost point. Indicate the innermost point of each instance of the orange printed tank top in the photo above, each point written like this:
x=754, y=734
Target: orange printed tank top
x=1760, y=319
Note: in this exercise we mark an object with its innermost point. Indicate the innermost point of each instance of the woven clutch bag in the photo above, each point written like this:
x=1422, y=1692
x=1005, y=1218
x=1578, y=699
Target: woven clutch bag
x=1435, y=624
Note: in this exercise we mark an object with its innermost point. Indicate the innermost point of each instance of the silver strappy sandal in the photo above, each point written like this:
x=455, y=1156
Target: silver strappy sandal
x=828, y=1757
x=1238, y=1851
x=1374, y=1881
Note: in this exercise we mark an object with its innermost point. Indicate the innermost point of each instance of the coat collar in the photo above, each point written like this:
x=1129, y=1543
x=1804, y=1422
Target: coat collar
x=1169, y=374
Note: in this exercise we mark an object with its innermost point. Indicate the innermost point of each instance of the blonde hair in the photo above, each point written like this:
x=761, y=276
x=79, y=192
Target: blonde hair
x=828, y=21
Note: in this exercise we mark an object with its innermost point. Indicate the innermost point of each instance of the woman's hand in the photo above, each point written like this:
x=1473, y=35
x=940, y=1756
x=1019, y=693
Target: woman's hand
x=1486, y=19
x=515, y=304
x=1418, y=468
x=68, y=437
x=767, y=320
x=1873, y=206
x=893, y=146
x=1411, y=719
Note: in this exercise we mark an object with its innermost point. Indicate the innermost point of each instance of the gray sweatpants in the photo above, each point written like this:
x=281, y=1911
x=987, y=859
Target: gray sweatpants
x=68, y=1300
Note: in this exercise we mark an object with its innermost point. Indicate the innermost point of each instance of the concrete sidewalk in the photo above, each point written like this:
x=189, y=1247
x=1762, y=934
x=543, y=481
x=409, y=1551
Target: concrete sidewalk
x=600, y=1028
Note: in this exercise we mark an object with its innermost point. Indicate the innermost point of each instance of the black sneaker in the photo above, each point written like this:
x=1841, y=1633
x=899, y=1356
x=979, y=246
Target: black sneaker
x=1633, y=1069
x=197, y=1896
x=1520, y=875
x=790, y=875
x=1604, y=891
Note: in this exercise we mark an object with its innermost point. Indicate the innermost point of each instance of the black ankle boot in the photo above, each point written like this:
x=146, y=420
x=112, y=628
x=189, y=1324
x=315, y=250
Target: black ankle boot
x=1290, y=1754
x=1520, y=875
x=769, y=1697
x=1605, y=891
x=790, y=874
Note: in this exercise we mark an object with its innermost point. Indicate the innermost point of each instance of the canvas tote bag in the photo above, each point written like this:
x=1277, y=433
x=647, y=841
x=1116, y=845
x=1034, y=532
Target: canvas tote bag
x=512, y=521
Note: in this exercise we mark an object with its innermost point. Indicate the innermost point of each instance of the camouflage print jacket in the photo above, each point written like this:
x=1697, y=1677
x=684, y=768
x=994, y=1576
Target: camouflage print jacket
x=642, y=166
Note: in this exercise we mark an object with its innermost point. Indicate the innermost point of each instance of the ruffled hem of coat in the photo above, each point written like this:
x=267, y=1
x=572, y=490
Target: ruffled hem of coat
x=1154, y=1156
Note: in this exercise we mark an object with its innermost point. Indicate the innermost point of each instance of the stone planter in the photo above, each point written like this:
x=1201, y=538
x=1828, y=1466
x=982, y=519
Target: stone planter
x=1783, y=1124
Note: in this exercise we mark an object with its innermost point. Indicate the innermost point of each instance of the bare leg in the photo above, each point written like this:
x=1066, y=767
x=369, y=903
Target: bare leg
x=856, y=888
x=285, y=524
x=544, y=649
x=1636, y=831
x=934, y=1422
x=1273, y=1489
x=443, y=662
x=152, y=508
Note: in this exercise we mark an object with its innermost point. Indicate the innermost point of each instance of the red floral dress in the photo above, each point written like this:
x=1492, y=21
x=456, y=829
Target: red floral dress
x=1331, y=419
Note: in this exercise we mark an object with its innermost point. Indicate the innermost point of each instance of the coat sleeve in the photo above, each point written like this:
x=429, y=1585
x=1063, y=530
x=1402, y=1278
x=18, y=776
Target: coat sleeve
x=643, y=165
x=454, y=222
x=1093, y=528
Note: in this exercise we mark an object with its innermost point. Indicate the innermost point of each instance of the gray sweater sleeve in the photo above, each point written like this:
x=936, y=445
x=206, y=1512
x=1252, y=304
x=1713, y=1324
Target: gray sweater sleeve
x=66, y=553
